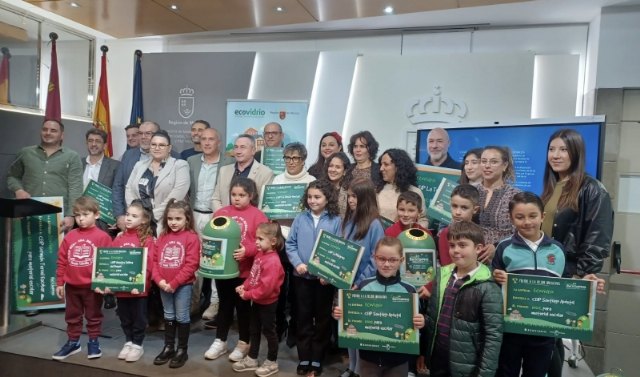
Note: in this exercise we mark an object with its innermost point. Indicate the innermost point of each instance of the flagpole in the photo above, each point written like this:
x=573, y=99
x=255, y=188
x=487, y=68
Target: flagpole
x=101, y=116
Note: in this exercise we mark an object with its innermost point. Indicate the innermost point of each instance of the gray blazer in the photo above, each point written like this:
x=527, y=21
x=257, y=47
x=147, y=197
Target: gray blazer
x=172, y=182
x=107, y=170
x=259, y=173
x=195, y=164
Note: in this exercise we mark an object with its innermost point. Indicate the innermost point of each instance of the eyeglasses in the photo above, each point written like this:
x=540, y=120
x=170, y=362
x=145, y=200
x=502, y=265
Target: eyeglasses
x=383, y=260
x=490, y=162
x=295, y=159
x=272, y=134
x=159, y=146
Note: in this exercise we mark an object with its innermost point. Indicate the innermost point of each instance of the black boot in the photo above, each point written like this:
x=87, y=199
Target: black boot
x=181, y=356
x=169, y=344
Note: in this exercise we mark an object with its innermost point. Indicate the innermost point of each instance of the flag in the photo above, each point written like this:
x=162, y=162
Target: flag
x=137, y=111
x=52, y=111
x=101, y=117
x=4, y=77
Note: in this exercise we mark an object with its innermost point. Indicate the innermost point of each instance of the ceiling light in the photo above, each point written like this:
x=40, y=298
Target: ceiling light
x=74, y=5
x=279, y=9
x=388, y=9
x=174, y=7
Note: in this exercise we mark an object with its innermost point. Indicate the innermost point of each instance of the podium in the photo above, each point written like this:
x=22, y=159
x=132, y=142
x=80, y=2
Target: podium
x=11, y=209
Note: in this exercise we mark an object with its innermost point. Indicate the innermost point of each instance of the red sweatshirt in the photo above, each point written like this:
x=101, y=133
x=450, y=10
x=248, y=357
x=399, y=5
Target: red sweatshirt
x=177, y=258
x=248, y=218
x=75, y=256
x=443, y=247
x=264, y=281
x=395, y=229
x=129, y=238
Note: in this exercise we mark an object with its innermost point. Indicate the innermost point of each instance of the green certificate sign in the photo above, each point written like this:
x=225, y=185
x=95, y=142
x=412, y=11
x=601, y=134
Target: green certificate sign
x=545, y=306
x=429, y=180
x=378, y=321
x=121, y=269
x=272, y=158
x=418, y=267
x=282, y=201
x=440, y=206
x=102, y=194
x=335, y=259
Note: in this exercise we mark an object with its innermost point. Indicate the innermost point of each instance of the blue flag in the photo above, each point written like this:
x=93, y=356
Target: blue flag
x=137, y=111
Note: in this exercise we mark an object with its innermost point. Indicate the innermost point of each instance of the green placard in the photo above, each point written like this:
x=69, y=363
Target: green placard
x=546, y=306
x=440, y=205
x=335, y=259
x=418, y=267
x=282, y=201
x=385, y=222
x=272, y=157
x=429, y=179
x=212, y=255
x=378, y=321
x=35, y=242
x=121, y=269
x=102, y=194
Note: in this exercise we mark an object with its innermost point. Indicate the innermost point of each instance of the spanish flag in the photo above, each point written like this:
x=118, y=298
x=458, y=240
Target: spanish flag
x=4, y=77
x=53, y=110
x=101, y=117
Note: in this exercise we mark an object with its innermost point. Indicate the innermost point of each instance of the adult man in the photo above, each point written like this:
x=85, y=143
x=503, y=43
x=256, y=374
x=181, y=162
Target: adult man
x=196, y=133
x=48, y=169
x=128, y=161
x=133, y=135
x=273, y=137
x=204, y=170
x=438, y=145
x=244, y=150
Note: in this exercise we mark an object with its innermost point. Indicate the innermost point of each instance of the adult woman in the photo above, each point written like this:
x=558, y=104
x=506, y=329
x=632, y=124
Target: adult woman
x=363, y=147
x=158, y=179
x=330, y=143
x=295, y=154
x=471, y=171
x=495, y=195
x=335, y=171
x=399, y=174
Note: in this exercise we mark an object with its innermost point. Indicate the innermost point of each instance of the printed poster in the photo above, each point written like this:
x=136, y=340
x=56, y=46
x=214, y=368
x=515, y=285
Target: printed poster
x=282, y=201
x=430, y=179
x=120, y=269
x=102, y=194
x=418, y=267
x=335, y=259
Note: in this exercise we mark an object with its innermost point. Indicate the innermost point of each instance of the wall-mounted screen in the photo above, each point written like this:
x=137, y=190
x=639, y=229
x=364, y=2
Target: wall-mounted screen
x=528, y=143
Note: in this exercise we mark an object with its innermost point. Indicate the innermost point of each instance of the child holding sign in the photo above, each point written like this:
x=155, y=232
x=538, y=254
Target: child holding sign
x=313, y=299
x=388, y=256
x=132, y=306
x=464, y=316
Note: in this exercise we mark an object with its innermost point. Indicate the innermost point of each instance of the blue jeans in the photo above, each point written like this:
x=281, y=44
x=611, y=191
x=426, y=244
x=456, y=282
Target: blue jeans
x=177, y=305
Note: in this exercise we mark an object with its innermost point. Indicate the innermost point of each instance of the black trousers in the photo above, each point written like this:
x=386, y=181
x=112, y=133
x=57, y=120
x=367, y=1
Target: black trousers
x=230, y=300
x=133, y=318
x=314, y=304
x=530, y=353
x=263, y=319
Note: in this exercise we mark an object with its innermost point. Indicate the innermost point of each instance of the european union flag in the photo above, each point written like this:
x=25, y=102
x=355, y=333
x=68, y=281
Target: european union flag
x=137, y=111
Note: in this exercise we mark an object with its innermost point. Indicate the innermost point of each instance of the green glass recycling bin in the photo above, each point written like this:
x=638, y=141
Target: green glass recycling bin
x=416, y=238
x=220, y=237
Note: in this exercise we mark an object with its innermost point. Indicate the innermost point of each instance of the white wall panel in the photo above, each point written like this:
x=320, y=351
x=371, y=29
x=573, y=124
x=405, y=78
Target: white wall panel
x=283, y=75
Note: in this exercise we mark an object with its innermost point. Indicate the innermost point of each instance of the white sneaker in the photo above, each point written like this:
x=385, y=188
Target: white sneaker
x=245, y=364
x=267, y=368
x=211, y=311
x=135, y=354
x=411, y=374
x=217, y=349
x=125, y=351
x=241, y=350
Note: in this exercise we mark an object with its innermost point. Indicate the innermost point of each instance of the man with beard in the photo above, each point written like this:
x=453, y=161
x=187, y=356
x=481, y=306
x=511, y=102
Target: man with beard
x=196, y=133
x=438, y=145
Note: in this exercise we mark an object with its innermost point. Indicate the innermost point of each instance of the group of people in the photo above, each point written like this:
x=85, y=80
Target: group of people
x=157, y=193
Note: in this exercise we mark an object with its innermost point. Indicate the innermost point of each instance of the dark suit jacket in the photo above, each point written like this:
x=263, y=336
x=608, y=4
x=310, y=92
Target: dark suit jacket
x=107, y=170
x=195, y=164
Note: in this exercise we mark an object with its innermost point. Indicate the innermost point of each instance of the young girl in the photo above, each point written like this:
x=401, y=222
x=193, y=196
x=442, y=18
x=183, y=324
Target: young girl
x=313, y=299
x=361, y=225
x=263, y=288
x=388, y=256
x=178, y=257
x=132, y=307
x=244, y=198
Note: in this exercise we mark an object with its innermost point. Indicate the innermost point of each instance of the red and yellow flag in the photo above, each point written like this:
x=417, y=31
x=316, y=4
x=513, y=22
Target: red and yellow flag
x=101, y=117
x=4, y=77
x=53, y=110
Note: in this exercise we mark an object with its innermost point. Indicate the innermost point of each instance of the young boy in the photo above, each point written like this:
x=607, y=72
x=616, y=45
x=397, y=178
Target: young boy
x=73, y=279
x=464, y=316
x=409, y=208
x=465, y=201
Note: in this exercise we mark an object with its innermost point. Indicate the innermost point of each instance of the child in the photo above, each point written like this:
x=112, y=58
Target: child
x=312, y=299
x=388, y=256
x=409, y=207
x=465, y=204
x=178, y=258
x=73, y=279
x=464, y=316
x=361, y=225
x=132, y=307
x=263, y=288
x=244, y=198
